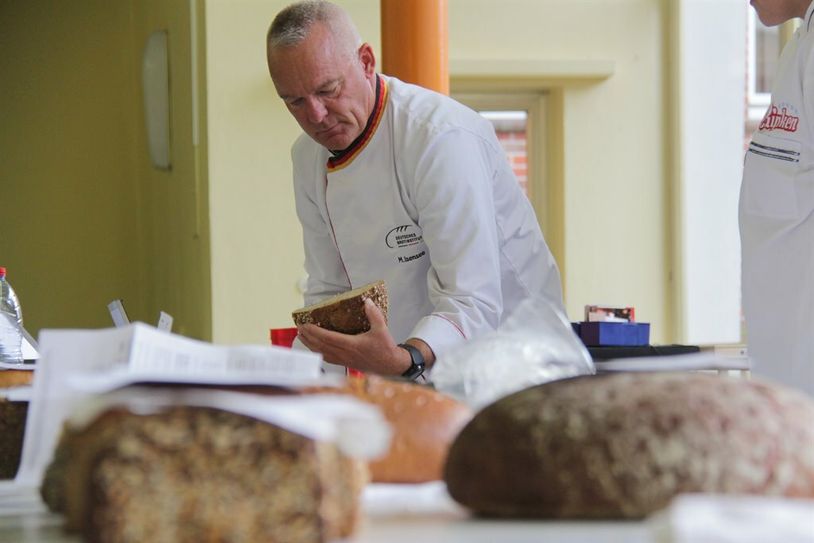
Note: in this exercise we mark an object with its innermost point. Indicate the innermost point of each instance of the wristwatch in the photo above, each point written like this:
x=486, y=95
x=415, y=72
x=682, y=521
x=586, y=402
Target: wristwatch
x=416, y=362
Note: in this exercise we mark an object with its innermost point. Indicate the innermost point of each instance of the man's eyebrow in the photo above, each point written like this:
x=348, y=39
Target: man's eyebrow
x=329, y=83
x=322, y=86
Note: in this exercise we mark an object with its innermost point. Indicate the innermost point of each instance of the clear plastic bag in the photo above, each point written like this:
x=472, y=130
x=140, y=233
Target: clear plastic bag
x=534, y=345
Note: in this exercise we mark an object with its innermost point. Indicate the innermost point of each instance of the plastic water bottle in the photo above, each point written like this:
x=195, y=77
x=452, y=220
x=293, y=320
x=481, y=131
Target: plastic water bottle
x=11, y=323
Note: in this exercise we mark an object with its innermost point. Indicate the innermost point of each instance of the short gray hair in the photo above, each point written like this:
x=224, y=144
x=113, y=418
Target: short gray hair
x=292, y=24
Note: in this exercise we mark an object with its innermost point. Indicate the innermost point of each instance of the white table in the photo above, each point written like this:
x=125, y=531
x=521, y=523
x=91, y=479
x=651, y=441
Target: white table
x=394, y=514
x=438, y=528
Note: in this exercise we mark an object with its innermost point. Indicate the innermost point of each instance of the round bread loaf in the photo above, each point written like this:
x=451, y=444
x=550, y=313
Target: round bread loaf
x=424, y=422
x=623, y=445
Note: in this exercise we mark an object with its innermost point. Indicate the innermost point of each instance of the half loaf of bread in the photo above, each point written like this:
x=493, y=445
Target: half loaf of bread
x=191, y=474
x=345, y=312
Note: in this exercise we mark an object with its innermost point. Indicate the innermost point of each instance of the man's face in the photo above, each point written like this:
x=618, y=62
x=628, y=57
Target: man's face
x=329, y=92
x=775, y=12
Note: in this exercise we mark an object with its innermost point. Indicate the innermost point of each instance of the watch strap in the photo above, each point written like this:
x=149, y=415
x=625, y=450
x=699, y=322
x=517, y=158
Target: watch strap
x=416, y=362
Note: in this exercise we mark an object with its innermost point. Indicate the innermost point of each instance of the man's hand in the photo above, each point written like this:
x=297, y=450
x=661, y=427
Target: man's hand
x=374, y=351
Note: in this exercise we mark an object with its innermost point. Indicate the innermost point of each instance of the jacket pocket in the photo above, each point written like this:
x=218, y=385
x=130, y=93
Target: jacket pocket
x=769, y=172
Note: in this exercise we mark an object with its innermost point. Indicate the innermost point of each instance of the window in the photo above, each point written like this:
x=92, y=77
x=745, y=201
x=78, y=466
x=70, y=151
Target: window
x=511, y=127
x=519, y=124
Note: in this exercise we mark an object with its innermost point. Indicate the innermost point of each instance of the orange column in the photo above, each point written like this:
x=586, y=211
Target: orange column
x=415, y=42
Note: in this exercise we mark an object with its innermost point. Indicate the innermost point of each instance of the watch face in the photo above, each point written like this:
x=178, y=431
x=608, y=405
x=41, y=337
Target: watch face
x=414, y=372
x=416, y=362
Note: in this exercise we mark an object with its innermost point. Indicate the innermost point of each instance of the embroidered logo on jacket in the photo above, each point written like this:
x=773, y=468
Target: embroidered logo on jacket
x=403, y=236
x=779, y=119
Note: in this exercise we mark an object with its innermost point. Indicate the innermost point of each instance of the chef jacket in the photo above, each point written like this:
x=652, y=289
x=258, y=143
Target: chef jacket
x=777, y=222
x=426, y=200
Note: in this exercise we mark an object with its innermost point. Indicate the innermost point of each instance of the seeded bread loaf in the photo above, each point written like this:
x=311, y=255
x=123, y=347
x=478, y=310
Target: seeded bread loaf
x=345, y=312
x=191, y=474
x=12, y=422
x=623, y=445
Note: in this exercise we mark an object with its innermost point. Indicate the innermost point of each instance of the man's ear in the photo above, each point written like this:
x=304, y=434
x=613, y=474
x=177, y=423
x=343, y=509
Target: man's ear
x=368, y=59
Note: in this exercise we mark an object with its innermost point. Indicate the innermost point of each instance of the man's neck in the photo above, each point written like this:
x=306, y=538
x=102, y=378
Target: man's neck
x=341, y=152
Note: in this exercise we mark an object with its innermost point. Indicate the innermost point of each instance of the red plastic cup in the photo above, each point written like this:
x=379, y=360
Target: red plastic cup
x=283, y=337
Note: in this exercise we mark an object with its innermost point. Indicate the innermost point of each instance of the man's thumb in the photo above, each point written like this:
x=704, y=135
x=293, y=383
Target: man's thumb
x=374, y=314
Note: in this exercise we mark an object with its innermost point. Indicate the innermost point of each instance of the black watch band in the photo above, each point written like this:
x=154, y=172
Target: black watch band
x=417, y=362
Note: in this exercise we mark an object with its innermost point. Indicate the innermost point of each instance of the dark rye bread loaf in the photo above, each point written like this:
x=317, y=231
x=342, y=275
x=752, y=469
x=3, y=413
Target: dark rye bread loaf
x=12, y=422
x=12, y=430
x=345, y=312
x=191, y=474
x=623, y=445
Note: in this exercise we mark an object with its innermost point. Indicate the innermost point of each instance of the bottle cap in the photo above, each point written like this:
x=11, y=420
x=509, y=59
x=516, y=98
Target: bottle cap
x=2, y=271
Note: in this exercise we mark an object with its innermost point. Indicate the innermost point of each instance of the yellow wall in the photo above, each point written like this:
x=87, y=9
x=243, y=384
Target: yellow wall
x=612, y=167
x=257, y=257
x=613, y=178
x=174, y=206
x=83, y=217
x=86, y=220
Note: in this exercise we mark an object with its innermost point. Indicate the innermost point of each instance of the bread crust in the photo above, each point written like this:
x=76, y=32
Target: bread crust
x=345, y=312
x=623, y=445
x=424, y=422
x=15, y=378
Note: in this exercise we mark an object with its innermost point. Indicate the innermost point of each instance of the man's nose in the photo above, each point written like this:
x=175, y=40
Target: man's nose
x=315, y=110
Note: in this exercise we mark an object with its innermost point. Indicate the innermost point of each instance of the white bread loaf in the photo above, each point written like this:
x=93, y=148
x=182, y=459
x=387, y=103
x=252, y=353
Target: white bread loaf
x=424, y=422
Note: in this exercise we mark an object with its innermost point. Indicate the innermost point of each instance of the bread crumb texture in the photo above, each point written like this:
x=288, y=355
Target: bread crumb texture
x=197, y=474
x=345, y=312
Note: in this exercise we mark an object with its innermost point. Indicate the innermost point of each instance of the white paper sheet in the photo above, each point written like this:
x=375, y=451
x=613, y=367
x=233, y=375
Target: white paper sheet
x=23, y=367
x=18, y=499
x=709, y=518
x=77, y=363
x=357, y=427
x=17, y=394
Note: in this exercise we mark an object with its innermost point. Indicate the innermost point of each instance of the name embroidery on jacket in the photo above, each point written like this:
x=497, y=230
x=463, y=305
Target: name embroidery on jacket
x=779, y=120
x=410, y=258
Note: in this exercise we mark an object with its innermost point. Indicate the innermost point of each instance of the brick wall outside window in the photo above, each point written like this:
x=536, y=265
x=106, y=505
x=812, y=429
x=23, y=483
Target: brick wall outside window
x=514, y=143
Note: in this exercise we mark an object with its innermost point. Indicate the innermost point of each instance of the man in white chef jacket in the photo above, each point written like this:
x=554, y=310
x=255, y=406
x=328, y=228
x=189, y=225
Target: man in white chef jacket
x=396, y=182
x=777, y=212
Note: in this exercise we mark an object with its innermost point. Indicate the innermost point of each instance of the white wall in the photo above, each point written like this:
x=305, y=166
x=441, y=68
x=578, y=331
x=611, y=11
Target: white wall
x=711, y=116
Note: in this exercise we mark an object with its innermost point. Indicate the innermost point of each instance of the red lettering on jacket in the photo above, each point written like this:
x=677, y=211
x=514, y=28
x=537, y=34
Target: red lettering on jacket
x=779, y=120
